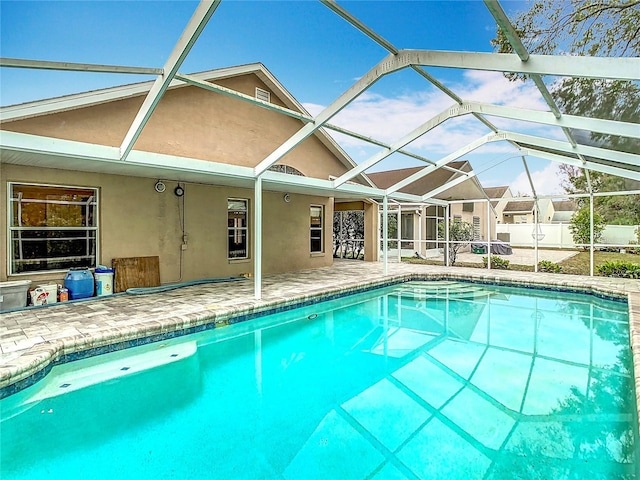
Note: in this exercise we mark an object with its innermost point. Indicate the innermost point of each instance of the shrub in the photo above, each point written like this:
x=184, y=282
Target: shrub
x=497, y=263
x=549, y=266
x=580, y=229
x=461, y=232
x=619, y=269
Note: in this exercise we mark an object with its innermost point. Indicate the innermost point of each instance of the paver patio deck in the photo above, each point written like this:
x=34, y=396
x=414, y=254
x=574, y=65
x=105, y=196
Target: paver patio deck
x=33, y=339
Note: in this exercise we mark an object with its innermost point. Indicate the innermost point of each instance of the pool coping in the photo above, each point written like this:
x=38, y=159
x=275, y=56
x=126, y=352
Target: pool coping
x=35, y=363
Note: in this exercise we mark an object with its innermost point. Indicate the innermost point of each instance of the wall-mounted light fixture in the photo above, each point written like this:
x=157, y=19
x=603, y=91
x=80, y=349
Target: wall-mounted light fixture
x=160, y=187
x=287, y=197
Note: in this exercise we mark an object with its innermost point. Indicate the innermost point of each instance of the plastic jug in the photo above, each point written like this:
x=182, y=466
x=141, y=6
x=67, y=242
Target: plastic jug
x=79, y=282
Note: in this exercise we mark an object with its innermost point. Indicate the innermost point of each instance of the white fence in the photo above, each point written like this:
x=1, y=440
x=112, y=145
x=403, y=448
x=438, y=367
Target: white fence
x=558, y=235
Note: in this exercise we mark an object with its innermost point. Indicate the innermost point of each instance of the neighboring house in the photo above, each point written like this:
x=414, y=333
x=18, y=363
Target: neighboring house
x=80, y=209
x=419, y=222
x=518, y=211
x=522, y=211
x=563, y=210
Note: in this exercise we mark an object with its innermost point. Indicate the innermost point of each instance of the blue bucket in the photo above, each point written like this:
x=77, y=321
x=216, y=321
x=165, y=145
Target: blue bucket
x=80, y=283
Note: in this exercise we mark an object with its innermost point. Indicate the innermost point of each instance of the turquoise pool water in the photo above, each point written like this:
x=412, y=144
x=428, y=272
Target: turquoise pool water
x=438, y=380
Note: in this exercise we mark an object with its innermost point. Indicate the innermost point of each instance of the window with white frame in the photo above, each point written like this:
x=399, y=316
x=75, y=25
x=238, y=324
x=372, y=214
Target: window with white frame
x=52, y=227
x=476, y=228
x=316, y=225
x=237, y=228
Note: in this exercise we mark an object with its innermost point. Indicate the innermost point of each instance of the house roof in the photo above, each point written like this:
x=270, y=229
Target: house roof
x=517, y=206
x=96, y=97
x=426, y=184
x=495, y=192
x=564, y=205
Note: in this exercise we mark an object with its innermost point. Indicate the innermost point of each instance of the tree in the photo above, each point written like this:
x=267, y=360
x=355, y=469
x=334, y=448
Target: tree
x=585, y=27
x=616, y=210
x=580, y=226
x=348, y=233
x=602, y=28
x=459, y=232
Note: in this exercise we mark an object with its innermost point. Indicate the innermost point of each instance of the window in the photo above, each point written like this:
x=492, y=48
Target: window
x=316, y=228
x=288, y=169
x=476, y=228
x=263, y=95
x=467, y=207
x=52, y=227
x=237, y=229
x=457, y=218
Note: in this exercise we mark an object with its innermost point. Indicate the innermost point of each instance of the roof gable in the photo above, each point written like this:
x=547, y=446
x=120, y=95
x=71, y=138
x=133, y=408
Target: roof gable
x=189, y=121
x=519, y=206
x=433, y=180
x=496, y=192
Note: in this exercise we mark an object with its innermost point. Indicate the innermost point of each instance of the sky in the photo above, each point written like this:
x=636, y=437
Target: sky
x=313, y=52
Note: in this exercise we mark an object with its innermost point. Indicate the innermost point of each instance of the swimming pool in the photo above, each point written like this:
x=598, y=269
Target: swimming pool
x=418, y=380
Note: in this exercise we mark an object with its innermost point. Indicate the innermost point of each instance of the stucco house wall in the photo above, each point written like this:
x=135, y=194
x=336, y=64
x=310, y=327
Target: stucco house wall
x=135, y=220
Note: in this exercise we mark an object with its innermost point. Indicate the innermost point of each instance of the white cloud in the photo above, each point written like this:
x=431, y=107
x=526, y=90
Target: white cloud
x=388, y=119
x=545, y=181
x=493, y=87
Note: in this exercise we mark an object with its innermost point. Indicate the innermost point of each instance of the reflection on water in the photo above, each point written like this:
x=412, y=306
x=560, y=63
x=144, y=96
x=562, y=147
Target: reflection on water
x=422, y=380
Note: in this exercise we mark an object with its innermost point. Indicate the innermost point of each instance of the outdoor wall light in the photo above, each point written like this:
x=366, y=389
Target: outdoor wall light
x=160, y=187
x=287, y=197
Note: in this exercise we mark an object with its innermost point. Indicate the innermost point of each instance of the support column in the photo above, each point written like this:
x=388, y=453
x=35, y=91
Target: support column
x=257, y=240
x=446, y=236
x=399, y=229
x=385, y=233
x=488, y=235
x=341, y=241
x=591, y=234
x=420, y=218
x=535, y=235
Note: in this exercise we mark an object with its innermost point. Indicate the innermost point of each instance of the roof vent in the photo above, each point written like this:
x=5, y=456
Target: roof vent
x=263, y=95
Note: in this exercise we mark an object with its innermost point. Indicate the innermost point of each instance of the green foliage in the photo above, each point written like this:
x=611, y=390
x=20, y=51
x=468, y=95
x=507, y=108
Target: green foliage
x=459, y=232
x=392, y=229
x=580, y=226
x=616, y=210
x=497, y=263
x=619, y=269
x=549, y=266
x=585, y=27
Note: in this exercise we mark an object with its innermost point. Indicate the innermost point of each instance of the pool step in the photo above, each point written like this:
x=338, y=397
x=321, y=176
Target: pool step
x=444, y=288
x=63, y=380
